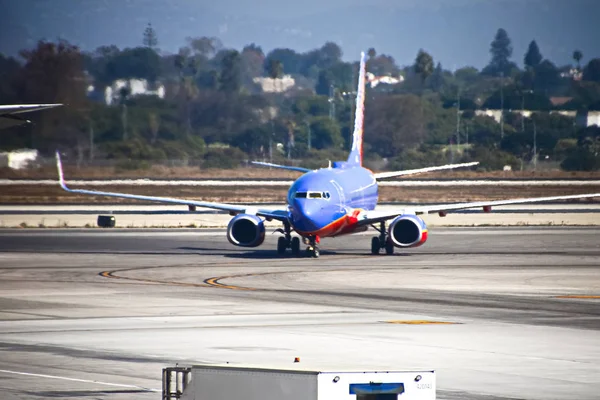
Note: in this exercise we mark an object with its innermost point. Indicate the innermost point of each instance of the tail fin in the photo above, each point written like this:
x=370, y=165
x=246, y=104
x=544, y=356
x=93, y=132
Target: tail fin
x=356, y=154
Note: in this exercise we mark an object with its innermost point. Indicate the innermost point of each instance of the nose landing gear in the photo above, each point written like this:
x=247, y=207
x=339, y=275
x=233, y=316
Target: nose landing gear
x=312, y=250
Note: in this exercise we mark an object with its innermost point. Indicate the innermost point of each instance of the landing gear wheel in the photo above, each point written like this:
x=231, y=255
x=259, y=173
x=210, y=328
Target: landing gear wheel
x=389, y=247
x=375, y=245
x=296, y=246
x=312, y=252
x=282, y=244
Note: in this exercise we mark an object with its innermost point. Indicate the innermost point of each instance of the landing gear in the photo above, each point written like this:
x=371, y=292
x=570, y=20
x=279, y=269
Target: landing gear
x=382, y=241
x=375, y=245
x=295, y=246
x=282, y=245
x=312, y=250
x=287, y=241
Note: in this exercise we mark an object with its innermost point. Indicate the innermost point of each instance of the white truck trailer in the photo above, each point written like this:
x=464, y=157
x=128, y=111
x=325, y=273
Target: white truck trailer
x=204, y=382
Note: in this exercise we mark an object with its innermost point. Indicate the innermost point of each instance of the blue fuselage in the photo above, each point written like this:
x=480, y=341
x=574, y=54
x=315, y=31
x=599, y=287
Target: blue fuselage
x=320, y=202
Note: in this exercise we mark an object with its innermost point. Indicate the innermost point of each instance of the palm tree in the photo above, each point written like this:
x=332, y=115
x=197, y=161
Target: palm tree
x=423, y=65
x=577, y=56
x=189, y=92
x=124, y=92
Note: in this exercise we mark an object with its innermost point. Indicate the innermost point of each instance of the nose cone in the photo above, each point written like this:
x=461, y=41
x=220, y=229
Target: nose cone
x=307, y=215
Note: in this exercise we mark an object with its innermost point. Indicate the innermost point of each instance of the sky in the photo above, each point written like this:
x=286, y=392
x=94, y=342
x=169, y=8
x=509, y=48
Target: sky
x=456, y=32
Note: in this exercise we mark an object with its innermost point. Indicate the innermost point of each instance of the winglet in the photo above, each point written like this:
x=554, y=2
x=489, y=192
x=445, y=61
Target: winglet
x=356, y=154
x=61, y=177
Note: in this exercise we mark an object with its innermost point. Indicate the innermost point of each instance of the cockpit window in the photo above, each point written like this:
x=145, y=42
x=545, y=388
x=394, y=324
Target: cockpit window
x=312, y=195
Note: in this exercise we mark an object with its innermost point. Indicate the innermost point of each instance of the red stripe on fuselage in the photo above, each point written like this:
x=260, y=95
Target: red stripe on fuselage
x=343, y=225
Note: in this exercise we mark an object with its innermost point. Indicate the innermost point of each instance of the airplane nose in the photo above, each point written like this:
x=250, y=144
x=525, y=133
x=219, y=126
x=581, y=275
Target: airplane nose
x=305, y=214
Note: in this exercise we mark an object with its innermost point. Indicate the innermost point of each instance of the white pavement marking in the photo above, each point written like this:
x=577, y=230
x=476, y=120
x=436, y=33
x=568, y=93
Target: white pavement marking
x=64, y=378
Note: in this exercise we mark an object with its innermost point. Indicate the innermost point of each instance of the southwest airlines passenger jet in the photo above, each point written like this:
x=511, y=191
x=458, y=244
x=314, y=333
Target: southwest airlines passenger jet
x=332, y=201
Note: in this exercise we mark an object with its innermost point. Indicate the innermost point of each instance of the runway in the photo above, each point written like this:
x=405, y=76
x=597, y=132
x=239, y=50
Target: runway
x=497, y=312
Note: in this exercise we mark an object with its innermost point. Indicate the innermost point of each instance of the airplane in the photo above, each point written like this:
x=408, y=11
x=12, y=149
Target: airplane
x=333, y=201
x=10, y=114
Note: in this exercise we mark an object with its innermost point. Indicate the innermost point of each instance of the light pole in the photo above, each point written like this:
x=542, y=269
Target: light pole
x=458, y=117
x=309, y=133
x=534, y=145
x=502, y=105
x=523, y=109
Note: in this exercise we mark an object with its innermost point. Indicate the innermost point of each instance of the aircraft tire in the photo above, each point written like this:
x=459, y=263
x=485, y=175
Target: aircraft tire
x=375, y=245
x=295, y=246
x=281, y=245
x=389, y=247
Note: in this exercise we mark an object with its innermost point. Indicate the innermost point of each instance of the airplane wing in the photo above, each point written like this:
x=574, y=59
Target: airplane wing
x=266, y=164
x=277, y=214
x=382, y=175
x=10, y=114
x=371, y=217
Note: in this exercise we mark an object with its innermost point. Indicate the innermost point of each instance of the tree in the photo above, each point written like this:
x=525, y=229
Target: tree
x=591, y=72
x=53, y=73
x=382, y=65
x=204, y=46
x=501, y=51
x=437, y=79
x=546, y=77
x=577, y=56
x=533, y=57
x=139, y=62
x=252, y=61
x=323, y=83
x=229, y=81
x=372, y=53
x=150, y=40
x=329, y=55
x=9, y=70
x=274, y=68
x=290, y=60
x=154, y=125
x=423, y=65
x=394, y=124
x=326, y=133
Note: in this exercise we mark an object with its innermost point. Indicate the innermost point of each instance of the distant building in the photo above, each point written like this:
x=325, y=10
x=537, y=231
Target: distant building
x=582, y=118
x=18, y=159
x=277, y=85
x=572, y=73
x=559, y=101
x=588, y=118
x=136, y=87
x=388, y=80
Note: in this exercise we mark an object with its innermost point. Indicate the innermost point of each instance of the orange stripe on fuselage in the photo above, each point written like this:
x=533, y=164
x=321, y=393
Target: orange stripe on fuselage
x=343, y=225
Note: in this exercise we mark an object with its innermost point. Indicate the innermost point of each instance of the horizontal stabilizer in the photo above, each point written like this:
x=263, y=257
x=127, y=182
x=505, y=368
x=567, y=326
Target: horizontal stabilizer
x=383, y=175
x=266, y=164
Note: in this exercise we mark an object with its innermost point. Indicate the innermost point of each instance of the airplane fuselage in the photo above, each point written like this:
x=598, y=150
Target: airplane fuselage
x=324, y=202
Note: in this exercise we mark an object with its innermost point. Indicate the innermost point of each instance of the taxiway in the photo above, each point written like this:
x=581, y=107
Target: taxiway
x=497, y=312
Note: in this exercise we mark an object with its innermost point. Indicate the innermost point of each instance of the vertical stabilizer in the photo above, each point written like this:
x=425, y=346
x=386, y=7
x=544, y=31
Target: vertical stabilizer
x=356, y=154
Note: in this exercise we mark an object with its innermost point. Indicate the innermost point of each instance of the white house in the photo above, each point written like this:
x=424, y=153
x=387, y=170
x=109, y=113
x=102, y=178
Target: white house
x=136, y=87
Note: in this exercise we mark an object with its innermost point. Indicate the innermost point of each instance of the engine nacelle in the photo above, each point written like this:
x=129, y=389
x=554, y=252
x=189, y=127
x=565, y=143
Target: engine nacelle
x=246, y=230
x=407, y=231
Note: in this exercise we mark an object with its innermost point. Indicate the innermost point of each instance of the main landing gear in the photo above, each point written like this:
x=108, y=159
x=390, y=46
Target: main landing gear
x=382, y=241
x=287, y=241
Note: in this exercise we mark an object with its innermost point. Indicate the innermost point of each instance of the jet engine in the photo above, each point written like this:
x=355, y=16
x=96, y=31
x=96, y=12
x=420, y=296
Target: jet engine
x=246, y=230
x=407, y=231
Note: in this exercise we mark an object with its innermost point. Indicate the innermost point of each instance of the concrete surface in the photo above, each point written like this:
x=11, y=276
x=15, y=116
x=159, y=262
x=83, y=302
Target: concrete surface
x=497, y=312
